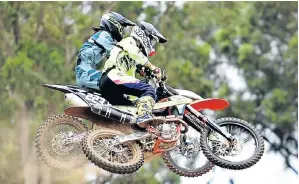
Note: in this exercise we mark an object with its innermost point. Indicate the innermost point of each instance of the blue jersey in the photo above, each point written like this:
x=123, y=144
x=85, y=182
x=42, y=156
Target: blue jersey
x=90, y=55
x=89, y=49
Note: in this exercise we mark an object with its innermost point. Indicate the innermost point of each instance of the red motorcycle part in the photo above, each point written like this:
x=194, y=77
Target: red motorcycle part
x=163, y=145
x=209, y=103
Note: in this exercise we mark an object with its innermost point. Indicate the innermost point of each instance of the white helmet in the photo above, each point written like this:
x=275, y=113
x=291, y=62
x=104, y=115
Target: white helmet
x=146, y=36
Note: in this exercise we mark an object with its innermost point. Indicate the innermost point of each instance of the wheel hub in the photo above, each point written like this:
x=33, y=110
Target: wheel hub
x=236, y=146
x=190, y=149
x=223, y=147
x=114, y=152
x=220, y=145
x=59, y=144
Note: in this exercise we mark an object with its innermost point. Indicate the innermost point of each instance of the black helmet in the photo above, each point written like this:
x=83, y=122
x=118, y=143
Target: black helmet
x=147, y=35
x=114, y=23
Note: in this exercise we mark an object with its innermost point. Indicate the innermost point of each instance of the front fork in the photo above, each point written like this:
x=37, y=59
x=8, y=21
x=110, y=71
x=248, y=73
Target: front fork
x=212, y=125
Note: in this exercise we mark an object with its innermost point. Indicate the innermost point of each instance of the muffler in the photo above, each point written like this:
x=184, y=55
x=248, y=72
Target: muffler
x=111, y=113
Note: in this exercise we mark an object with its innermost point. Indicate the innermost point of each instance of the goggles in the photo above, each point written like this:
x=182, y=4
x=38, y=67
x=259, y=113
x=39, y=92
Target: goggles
x=153, y=41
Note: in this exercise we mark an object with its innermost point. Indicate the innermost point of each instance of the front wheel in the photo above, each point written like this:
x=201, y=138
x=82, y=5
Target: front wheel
x=245, y=151
x=187, y=158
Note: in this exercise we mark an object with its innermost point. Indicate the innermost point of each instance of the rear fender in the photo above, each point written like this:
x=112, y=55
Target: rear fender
x=82, y=112
x=61, y=88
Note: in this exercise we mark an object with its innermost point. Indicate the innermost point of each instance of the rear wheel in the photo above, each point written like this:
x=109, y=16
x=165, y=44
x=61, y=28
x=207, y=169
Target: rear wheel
x=50, y=146
x=101, y=148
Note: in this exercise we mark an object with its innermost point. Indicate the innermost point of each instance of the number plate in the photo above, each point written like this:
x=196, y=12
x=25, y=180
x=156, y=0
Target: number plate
x=94, y=99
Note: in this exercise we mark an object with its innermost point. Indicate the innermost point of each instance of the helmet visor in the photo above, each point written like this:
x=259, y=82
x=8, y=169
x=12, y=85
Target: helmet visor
x=153, y=41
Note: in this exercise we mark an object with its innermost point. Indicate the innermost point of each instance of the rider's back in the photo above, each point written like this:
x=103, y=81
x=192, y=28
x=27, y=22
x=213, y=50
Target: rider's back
x=90, y=55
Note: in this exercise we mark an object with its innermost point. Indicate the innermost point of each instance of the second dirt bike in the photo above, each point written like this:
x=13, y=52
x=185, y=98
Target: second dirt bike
x=120, y=147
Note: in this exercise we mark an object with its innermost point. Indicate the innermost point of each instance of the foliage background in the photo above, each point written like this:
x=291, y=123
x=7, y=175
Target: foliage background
x=245, y=52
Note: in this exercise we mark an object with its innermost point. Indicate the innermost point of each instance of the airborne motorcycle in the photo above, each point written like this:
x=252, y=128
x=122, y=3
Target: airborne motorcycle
x=120, y=147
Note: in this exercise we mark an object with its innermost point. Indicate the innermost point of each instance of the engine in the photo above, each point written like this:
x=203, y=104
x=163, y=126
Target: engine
x=168, y=130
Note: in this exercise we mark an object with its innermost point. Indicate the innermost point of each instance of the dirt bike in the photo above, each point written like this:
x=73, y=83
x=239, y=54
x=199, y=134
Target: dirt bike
x=185, y=139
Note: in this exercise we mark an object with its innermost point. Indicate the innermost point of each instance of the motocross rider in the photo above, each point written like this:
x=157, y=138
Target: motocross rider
x=98, y=47
x=119, y=71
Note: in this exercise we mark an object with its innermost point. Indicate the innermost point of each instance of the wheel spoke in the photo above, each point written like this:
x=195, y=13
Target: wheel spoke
x=72, y=130
x=52, y=133
x=106, y=151
x=54, y=146
x=248, y=138
x=186, y=158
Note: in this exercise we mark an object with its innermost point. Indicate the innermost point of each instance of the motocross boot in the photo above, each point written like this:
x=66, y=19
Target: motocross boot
x=144, y=111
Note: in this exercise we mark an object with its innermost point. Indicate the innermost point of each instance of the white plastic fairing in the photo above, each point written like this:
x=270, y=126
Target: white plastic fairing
x=74, y=100
x=189, y=94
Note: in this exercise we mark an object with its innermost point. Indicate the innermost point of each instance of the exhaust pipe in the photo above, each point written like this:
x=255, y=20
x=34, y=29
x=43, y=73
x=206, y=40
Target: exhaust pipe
x=112, y=113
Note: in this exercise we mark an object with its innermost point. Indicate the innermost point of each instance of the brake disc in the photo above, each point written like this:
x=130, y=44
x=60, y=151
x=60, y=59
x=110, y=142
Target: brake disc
x=190, y=149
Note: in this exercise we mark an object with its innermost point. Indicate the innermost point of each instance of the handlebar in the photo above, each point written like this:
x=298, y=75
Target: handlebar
x=147, y=73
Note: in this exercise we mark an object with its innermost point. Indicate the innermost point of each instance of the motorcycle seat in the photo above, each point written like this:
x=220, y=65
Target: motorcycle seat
x=125, y=100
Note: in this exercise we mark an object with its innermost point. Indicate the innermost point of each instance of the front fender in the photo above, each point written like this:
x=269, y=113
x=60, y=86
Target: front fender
x=210, y=103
